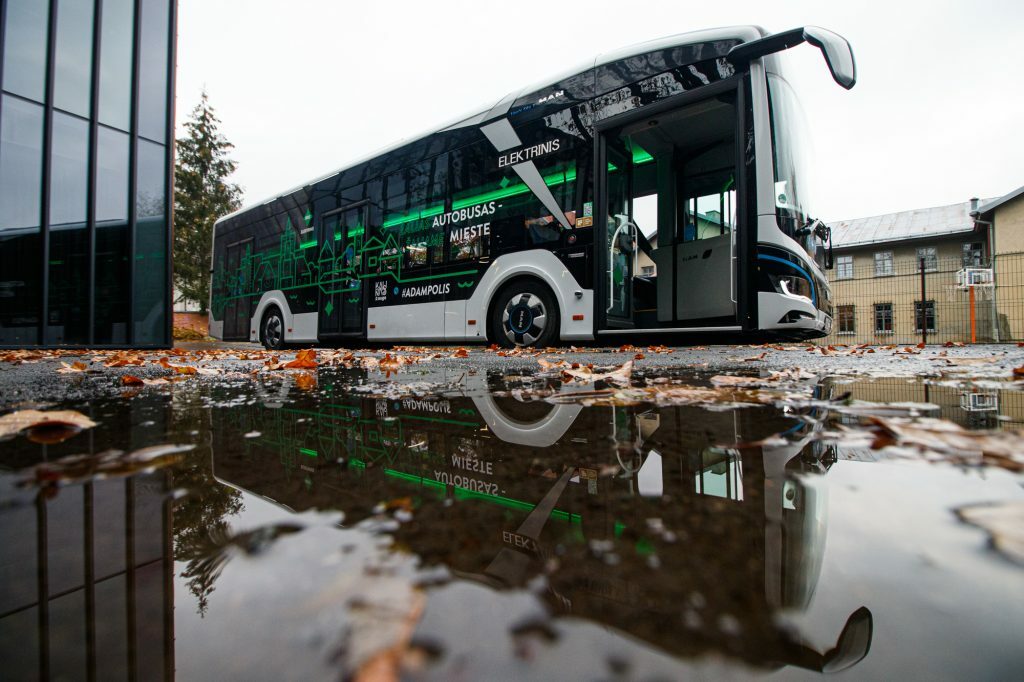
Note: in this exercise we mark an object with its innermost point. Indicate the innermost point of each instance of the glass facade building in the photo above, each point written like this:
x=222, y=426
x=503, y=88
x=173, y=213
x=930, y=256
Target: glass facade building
x=86, y=172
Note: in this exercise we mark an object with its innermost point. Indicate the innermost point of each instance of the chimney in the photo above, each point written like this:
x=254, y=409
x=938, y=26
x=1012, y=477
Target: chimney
x=974, y=205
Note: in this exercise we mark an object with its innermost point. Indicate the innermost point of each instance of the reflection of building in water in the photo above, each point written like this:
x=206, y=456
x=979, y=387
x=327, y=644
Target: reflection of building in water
x=649, y=521
x=974, y=408
x=85, y=581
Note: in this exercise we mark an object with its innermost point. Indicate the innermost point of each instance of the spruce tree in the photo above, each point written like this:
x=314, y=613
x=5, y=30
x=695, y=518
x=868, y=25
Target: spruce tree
x=201, y=196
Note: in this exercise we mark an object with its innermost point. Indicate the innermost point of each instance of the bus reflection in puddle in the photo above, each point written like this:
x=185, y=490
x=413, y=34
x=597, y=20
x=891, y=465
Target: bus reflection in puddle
x=639, y=517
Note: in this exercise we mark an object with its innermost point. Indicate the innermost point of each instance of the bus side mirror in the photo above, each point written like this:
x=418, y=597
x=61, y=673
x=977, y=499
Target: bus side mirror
x=835, y=48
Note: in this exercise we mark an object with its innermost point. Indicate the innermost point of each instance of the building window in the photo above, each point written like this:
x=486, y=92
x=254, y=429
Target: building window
x=973, y=254
x=883, y=264
x=930, y=257
x=927, y=314
x=883, y=318
x=647, y=270
x=844, y=267
x=845, y=321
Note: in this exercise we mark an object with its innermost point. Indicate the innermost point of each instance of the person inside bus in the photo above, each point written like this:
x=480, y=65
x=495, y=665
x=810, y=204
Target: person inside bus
x=546, y=229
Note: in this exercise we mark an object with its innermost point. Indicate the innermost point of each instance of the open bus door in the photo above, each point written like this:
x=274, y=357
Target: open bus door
x=668, y=192
x=342, y=235
x=620, y=239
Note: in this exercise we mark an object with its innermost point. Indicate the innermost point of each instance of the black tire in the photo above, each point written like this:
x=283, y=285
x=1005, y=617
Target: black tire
x=524, y=313
x=272, y=329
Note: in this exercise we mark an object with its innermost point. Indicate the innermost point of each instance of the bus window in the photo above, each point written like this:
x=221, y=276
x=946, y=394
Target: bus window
x=414, y=196
x=509, y=215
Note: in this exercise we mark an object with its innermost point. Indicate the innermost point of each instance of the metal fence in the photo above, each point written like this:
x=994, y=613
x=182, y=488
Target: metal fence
x=894, y=302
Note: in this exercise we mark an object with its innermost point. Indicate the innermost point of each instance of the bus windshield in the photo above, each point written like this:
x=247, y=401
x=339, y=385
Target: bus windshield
x=793, y=179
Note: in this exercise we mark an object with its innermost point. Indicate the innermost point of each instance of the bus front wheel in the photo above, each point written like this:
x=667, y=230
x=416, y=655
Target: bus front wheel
x=272, y=329
x=524, y=314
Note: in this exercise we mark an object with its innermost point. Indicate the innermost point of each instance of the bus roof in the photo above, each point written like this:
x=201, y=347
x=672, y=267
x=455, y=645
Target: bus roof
x=742, y=33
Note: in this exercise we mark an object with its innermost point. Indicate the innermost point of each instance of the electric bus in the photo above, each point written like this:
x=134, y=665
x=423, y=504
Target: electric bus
x=660, y=189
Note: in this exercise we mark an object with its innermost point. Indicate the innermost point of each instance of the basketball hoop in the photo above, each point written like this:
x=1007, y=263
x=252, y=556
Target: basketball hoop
x=979, y=284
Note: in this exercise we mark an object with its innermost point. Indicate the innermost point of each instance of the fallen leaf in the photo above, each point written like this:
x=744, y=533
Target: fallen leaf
x=73, y=368
x=16, y=422
x=1004, y=523
x=77, y=468
x=305, y=381
x=999, y=448
x=620, y=375
x=129, y=380
x=304, y=359
x=390, y=362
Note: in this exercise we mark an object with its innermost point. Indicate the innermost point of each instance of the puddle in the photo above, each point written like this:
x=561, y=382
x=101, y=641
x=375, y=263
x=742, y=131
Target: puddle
x=537, y=525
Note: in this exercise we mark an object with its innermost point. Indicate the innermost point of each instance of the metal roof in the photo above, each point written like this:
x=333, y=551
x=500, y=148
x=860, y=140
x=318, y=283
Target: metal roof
x=919, y=223
x=987, y=206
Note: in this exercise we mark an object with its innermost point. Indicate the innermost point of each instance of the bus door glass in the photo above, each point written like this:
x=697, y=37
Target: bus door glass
x=342, y=235
x=236, y=309
x=621, y=240
x=706, y=210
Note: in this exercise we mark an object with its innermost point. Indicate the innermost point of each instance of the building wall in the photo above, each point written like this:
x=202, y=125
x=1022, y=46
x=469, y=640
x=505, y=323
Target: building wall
x=1009, y=227
x=85, y=171
x=1008, y=239
x=902, y=289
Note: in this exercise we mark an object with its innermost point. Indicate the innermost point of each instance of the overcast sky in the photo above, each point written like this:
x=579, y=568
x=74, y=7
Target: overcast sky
x=305, y=86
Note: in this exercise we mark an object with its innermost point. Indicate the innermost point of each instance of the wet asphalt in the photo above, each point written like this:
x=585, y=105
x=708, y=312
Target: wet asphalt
x=40, y=381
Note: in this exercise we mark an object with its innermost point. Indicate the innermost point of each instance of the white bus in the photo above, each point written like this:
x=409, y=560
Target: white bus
x=660, y=190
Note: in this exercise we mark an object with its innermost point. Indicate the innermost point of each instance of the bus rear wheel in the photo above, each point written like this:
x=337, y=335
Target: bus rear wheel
x=272, y=329
x=524, y=314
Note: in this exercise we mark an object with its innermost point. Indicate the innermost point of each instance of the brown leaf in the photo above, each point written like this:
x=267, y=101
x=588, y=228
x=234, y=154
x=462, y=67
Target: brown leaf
x=305, y=381
x=460, y=353
x=16, y=422
x=390, y=363
x=1004, y=522
x=129, y=380
x=73, y=368
x=304, y=359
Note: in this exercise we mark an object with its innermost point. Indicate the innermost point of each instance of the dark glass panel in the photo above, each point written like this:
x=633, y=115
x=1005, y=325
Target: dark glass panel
x=153, y=60
x=69, y=171
x=19, y=644
x=116, y=62
x=21, y=168
x=150, y=498
x=68, y=320
x=25, y=48
x=150, y=284
x=72, y=71
x=65, y=540
x=112, y=265
x=109, y=523
x=150, y=624
x=111, y=624
x=67, y=638
x=19, y=571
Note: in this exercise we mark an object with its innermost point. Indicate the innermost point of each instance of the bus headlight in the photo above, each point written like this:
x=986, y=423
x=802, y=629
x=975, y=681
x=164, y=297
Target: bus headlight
x=793, y=285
